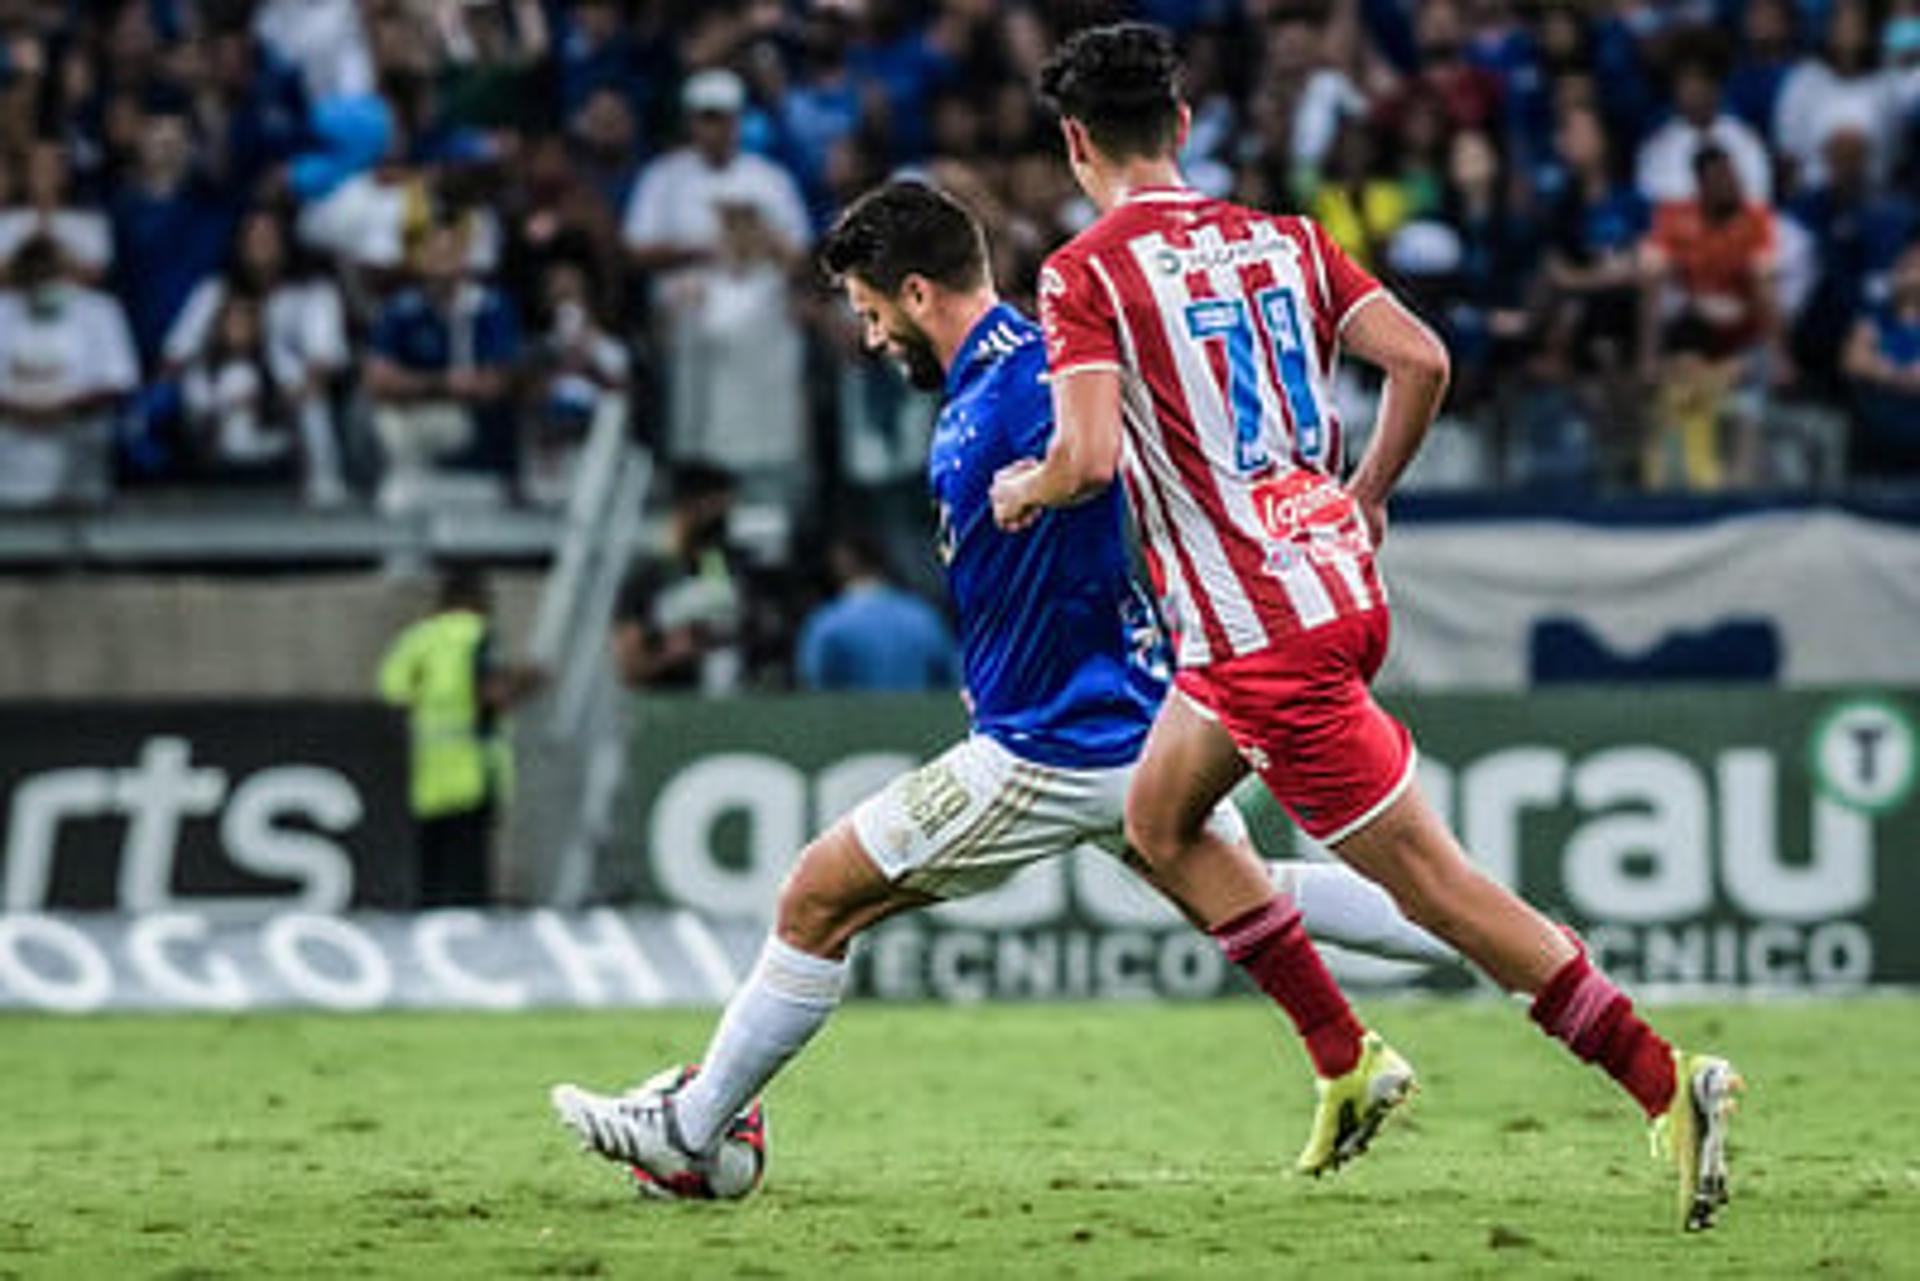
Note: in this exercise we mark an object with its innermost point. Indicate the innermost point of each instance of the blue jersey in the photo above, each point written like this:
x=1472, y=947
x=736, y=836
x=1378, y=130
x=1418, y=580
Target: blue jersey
x=1062, y=657
x=1897, y=337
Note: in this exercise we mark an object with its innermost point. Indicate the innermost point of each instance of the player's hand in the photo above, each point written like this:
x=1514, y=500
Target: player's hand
x=1013, y=508
x=1374, y=512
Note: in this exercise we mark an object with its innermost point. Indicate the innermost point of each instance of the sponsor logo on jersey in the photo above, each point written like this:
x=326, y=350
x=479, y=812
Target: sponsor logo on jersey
x=1262, y=244
x=1294, y=505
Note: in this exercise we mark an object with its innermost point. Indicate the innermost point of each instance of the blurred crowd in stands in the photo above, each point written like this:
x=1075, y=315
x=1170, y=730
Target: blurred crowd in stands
x=402, y=251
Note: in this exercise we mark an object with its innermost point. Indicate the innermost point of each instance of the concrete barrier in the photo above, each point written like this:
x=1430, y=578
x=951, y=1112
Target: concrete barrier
x=314, y=636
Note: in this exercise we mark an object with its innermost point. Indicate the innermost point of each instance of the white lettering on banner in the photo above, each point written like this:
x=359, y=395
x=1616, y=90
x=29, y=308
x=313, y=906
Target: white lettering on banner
x=367, y=982
x=1027, y=964
x=614, y=951
x=907, y=961
x=1651, y=838
x=771, y=795
x=148, y=938
x=1683, y=952
x=1765, y=963
x=1834, y=954
x=957, y=966
x=1123, y=962
x=1189, y=965
x=850, y=780
x=156, y=795
x=896, y=959
x=255, y=842
x=1496, y=791
x=708, y=957
x=1838, y=878
x=40, y=804
x=1076, y=965
x=433, y=937
x=1668, y=838
x=1840, y=953
x=82, y=979
x=1614, y=948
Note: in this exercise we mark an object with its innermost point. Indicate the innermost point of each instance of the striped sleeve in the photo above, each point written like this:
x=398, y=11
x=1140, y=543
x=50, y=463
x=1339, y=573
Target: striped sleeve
x=1344, y=283
x=1078, y=318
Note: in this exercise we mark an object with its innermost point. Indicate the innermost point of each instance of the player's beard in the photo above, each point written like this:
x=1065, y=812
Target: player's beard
x=914, y=354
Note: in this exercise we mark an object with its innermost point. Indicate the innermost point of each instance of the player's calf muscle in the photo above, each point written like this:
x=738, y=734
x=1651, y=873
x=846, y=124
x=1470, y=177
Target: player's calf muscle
x=1416, y=860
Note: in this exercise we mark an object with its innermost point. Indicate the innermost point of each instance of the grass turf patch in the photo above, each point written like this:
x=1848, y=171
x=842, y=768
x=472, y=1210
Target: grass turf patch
x=1095, y=1140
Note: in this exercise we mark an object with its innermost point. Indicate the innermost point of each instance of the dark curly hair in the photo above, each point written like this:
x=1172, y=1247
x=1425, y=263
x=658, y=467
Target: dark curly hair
x=1123, y=83
x=906, y=229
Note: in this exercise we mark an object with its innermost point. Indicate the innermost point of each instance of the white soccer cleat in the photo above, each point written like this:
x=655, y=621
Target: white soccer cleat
x=634, y=1129
x=641, y=1131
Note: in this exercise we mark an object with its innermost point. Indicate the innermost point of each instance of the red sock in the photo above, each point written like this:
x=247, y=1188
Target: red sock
x=1270, y=944
x=1582, y=1007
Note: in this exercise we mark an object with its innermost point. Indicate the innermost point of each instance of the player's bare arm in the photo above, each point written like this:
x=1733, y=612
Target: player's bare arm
x=1082, y=458
x=1383, y=333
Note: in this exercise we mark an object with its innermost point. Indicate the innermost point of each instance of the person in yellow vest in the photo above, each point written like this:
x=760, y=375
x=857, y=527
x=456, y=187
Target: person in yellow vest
x=444, y=671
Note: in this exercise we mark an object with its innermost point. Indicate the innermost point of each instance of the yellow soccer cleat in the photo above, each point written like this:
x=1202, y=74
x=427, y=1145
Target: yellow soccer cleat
x=1693, y=1131
x=1353, y=1107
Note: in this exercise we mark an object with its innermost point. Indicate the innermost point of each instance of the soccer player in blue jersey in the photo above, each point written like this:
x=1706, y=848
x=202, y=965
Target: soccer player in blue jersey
x=1065, y=667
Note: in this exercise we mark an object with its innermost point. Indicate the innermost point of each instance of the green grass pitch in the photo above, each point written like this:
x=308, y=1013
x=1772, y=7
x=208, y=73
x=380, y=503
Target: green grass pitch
x=1110, y=1141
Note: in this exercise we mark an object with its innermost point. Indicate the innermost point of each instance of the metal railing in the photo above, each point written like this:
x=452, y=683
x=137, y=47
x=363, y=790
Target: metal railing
x=571, y=744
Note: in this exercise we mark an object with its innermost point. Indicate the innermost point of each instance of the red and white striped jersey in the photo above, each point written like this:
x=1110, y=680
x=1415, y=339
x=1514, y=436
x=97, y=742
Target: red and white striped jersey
x=1223, y=323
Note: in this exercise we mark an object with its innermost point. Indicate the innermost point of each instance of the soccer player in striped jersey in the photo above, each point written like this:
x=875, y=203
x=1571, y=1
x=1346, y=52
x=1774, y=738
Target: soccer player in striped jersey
x=1192, y=346
x=1064, y=669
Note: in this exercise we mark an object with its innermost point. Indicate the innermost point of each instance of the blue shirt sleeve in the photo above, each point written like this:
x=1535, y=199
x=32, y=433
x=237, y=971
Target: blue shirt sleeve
x=1026, y=406
x=496, y=339
x=811, y=660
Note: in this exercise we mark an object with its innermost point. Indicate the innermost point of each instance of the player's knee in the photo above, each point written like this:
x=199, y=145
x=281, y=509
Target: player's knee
x=1157, y=834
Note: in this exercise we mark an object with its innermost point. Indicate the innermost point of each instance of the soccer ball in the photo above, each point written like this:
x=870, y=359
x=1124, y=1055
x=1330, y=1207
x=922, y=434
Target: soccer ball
x=737, y=1166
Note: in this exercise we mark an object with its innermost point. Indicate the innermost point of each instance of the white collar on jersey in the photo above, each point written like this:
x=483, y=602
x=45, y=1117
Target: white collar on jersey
x=1160, y=193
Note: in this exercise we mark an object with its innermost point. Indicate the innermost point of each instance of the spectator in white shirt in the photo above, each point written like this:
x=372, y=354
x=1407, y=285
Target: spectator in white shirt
x=84, y=235
x=302, y=339
x=721, y=230
x=578, y=364
x=242, y=427
x=325, y=39
x=1842, y=88
x=66, y=362
x=1665, y=170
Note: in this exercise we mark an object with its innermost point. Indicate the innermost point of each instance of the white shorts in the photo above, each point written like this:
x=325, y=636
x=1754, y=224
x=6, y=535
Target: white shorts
x=976, y=814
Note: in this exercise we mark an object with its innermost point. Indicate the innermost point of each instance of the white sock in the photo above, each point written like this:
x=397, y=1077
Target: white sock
x=1342, y=907
x=777, y=1010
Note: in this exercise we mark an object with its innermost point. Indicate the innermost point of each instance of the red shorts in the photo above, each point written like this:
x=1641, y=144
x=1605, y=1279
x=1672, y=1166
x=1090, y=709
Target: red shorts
x=1302, y=715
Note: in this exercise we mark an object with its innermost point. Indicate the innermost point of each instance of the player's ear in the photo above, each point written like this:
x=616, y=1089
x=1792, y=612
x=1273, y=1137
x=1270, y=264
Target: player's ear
x=914, y=294
x=1182, y=129
x=1075, y=134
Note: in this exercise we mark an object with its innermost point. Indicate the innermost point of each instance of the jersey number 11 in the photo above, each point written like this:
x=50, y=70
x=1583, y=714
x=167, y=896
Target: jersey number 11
x=1225, y=320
